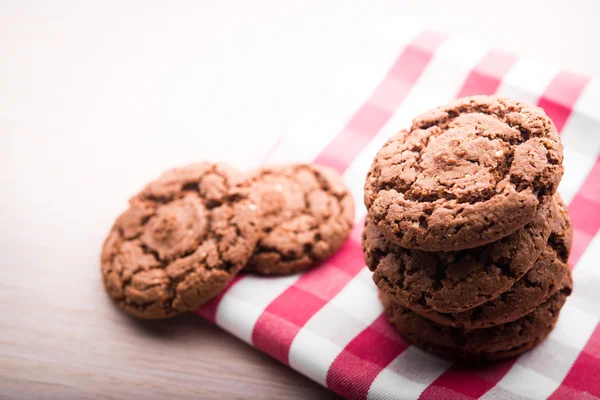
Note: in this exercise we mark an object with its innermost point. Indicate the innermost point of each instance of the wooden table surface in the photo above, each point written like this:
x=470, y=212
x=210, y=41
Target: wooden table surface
x=97, y=99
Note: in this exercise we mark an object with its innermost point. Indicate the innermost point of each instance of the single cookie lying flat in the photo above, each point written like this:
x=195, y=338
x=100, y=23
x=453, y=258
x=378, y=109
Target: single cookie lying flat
x=465, y=174
x=183, y=238
x=538, y=284
x=305, y=212
x=495, y=343
x=453, y=282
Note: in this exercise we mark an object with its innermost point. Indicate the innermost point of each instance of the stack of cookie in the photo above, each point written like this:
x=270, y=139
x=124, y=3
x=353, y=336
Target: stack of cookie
x=187, y=234
x=465, y=235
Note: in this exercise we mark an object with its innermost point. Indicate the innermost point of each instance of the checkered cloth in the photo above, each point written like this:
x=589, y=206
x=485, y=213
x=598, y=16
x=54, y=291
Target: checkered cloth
x=328, y=324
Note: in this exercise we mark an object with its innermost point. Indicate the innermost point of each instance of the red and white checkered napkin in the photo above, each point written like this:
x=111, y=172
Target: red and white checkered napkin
x=328, y=324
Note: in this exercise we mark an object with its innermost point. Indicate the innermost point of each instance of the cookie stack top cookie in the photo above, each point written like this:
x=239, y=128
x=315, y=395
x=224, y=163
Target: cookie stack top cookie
x=464, y=175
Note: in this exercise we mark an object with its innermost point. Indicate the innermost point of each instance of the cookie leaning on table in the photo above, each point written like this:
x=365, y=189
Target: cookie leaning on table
x=306, y=214
x=465, y=174
x=180, y=242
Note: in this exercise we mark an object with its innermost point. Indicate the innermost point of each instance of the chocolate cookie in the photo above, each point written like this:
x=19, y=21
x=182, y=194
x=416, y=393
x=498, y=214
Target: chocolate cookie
x=305, y=212
x=453, y=282
x=497, y=342
x=183, y=238
x=534, y=288
x=465, y=174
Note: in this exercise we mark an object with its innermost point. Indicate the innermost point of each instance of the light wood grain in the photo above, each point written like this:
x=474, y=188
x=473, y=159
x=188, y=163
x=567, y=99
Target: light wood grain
x=97, y=98
x=179, y=359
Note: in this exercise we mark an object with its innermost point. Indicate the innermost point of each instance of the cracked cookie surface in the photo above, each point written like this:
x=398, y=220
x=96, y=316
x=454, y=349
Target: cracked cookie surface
x=465, y=174
x=305, y=214
x=181, y=241
x=534, y=288
x=494, y=343
x=453, y=282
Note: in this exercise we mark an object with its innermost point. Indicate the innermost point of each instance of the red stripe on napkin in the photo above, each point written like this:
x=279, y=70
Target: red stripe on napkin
x=464, y=382
x=584, y=375
x=364, y=357
x=281, y=321
x=488, y=73
x=584, y=215
x=561, y=95
x=380, y=107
